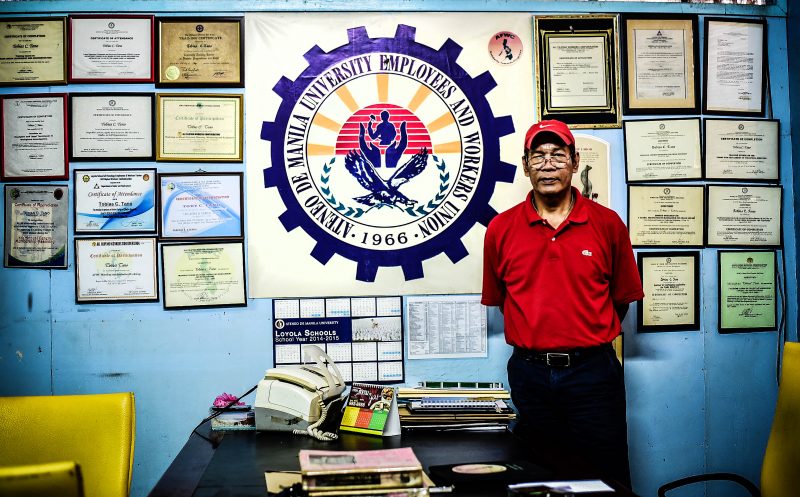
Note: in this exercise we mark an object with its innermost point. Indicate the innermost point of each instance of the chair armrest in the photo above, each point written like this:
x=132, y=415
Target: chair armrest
x=663, y=489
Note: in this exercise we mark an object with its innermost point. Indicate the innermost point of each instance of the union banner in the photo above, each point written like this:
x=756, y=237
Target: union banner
x=379, y=146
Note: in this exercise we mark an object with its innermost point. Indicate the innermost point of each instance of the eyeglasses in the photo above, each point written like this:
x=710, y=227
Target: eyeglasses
x=557, y=160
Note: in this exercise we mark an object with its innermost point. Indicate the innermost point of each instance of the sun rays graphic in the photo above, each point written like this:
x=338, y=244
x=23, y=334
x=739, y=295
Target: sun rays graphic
x=420, y=133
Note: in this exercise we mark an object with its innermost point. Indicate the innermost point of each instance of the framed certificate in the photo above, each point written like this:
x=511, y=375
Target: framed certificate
x=36, y=226
x=195, y=127
x=200, y=51
x=34, y=138
x=33, y=51
x=744, y=216
x=111, y=49
x=109, y=270
x=735, y=73
x=671, y=284
x=109, y=201
x=201, y=205
x=663, y=149
x=660, y=59
x=747, y=291
x=203, y=275
x=742, y=150
x=111, y=127
x=577, y=70
x=666, y=215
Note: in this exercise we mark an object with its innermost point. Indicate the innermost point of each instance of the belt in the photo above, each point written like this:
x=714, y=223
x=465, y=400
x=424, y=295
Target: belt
x=561, y=358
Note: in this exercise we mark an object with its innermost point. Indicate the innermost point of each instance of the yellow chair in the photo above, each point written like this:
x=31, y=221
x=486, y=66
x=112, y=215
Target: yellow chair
x=53, y=479
x=780, y=473
x=96, y=431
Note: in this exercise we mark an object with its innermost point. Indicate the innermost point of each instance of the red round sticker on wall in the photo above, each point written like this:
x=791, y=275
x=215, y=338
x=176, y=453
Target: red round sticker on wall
x=505, y=47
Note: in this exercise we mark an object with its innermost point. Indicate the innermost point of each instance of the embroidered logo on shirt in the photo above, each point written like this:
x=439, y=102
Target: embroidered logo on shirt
x=586, y=253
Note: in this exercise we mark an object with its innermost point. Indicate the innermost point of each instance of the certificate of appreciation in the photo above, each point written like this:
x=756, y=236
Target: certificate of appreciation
x=115, y=201
x=660, y=55
x=203, y=275
x=34, y=137
x=32, y=51
x=747, y=291
x=201, y=205
x=111, y=49
x=115, y=270
x=735, y=72
x=111, y=126
x=662, y=215
x=199, y=127
x=201, y=51
x=36, y=226
x=670, y=281
x=740, y=215
x=577, y=75
x=577, y=69
x=664, y=149
x=744, y=150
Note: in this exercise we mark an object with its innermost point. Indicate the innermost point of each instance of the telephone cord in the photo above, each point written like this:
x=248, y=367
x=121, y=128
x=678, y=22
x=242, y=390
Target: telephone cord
x=312, y=428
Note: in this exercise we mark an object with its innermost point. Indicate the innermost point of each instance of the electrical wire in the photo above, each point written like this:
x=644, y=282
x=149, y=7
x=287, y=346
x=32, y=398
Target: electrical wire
x=217, y=413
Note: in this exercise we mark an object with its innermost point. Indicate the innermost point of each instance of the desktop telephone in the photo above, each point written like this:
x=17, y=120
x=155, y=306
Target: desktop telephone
x=297, y=398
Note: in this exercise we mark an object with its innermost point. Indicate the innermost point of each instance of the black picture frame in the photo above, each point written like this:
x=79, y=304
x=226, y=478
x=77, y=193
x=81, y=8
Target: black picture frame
x=129, y=157
x=662, y=21
x=713, y=241
x=707, y=109
x=214, y=205
x=747, y=176
x=699, y=142
x=200, y=297
x=720, y=294
x=694, y=324
x=701, y=215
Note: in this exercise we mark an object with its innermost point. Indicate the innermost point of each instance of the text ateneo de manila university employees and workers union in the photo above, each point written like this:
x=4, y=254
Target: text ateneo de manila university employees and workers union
x=562, y=271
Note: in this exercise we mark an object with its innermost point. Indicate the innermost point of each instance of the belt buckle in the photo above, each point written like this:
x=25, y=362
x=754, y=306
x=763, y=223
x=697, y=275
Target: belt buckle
x=557, y=359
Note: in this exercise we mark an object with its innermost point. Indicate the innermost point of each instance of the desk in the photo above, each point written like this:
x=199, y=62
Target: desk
x=236, y=466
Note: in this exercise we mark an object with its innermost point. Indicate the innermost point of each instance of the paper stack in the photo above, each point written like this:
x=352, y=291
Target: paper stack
x=387, y=472
x=457, y=408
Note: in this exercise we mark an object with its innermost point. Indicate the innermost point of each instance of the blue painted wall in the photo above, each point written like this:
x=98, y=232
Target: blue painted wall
x=697, y=401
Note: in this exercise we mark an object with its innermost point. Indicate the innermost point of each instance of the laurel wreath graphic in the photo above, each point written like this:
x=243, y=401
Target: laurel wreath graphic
x=356, y=212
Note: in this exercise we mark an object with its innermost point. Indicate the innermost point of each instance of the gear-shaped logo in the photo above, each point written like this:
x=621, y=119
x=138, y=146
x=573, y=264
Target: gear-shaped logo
x=386, y=152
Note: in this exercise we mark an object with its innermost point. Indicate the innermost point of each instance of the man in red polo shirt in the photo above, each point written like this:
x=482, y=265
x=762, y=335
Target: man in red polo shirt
x=561, y=269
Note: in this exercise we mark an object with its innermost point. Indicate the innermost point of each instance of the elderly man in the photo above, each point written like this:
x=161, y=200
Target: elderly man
x=562, y=271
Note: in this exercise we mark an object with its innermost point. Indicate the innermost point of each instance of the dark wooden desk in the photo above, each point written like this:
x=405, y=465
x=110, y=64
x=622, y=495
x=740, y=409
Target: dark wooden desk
x=236, y=466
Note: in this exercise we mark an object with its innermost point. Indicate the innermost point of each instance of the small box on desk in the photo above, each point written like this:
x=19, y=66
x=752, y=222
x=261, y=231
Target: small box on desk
x=233, y=418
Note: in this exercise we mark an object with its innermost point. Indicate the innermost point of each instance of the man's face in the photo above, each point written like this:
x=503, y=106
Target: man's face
x=554, y=175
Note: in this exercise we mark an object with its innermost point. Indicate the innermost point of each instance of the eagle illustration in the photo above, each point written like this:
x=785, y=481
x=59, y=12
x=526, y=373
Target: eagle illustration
x=384, y=192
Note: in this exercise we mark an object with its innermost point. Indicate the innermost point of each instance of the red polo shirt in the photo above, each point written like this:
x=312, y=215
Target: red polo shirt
x=558, y=287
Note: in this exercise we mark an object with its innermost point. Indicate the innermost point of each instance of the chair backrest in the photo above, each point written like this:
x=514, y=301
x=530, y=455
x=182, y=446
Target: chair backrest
x=53, y=479
x=780, y=472
x=96, y=431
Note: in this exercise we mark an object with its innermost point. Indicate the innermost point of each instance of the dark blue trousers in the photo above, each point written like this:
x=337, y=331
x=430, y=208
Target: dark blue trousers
x=577, y=410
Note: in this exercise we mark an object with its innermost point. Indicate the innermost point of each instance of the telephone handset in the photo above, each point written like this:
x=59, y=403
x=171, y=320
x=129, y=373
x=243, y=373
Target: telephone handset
x=293, y=398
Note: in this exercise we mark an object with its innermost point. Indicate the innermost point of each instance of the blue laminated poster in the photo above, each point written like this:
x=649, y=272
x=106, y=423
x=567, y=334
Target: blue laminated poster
x=201, y=205
x=115, y=201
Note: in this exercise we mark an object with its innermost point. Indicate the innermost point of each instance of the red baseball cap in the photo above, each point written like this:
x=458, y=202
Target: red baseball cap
x=558, y=128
